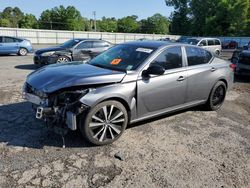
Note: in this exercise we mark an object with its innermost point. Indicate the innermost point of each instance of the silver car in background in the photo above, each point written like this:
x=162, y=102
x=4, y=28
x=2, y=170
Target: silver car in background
x=128, y=83
x=211, y=44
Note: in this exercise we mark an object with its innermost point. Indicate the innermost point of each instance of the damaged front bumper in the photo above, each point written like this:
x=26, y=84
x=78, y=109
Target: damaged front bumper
x=63, y=116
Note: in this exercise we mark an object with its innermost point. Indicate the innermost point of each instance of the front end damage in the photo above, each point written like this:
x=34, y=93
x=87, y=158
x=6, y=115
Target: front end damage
x=60, y=110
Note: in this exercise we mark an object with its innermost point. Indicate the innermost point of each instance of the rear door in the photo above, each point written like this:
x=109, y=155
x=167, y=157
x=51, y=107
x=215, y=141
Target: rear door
x=10, y=45
x=157, y=93
x=201, y=73
x=83, y=51
x=99, y=47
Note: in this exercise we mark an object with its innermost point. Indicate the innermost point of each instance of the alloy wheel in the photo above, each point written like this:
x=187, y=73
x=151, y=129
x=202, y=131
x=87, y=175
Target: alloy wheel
x=62, y=60
x=218, y=96
x=107, y=123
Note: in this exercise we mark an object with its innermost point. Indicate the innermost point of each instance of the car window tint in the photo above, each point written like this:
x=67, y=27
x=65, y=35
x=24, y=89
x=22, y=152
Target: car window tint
x=197, y=56
x=210, y=42
x=170, y=58
x=1, y=39
x=99, y=44
x=204, y=42
x=9, y=39
x=217, y=42
x=86, y=44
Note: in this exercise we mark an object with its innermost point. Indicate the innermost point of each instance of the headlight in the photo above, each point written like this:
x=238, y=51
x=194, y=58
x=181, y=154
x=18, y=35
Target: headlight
x=47, y=53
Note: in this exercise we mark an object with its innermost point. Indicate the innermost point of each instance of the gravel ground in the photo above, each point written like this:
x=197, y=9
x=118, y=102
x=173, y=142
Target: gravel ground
x=192, y=148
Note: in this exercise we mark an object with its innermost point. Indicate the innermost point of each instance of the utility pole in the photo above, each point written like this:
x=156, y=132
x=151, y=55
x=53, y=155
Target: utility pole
x=50, y=25
x=94, y=13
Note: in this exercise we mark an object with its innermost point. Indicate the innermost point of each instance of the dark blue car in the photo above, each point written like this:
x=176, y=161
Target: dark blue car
x=13, y=45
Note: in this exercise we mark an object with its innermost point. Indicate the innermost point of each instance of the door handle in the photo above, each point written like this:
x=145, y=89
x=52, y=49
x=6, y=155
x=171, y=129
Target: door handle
x=213, y=69
x=181, y=78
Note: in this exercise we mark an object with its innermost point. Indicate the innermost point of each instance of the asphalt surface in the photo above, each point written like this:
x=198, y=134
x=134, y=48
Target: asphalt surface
x=192, y=148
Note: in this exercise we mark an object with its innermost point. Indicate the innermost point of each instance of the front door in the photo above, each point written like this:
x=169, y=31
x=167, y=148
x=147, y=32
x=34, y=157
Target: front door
x=157, y=93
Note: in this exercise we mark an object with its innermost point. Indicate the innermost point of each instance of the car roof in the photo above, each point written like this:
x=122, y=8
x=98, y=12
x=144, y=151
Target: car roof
x=150, y=44
x=200, y=38
x=81, y=39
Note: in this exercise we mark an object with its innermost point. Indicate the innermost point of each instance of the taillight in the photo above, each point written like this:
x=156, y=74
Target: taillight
x=232, y=66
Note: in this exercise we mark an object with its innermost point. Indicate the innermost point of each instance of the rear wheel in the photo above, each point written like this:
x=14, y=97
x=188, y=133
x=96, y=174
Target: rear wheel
x=217, y=52
x=217, y=96
x=62, y=59
x=104, y=123
x=22, y=52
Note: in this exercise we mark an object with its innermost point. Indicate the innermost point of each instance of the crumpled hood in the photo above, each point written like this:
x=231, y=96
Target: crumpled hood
x=56, y=48
x=58, y=76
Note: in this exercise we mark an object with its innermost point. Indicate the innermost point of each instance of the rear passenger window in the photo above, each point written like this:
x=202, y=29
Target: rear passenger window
x=210, y=42
x=217, y=42
x=170, y=58
x=99, y=44
x=197, y=56
x=9, y=39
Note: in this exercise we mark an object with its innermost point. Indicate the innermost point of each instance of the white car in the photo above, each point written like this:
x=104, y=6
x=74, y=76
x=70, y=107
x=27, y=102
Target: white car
x=211, y=44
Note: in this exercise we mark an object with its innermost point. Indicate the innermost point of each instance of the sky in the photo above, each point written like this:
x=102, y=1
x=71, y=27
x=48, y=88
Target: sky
x=107, y=8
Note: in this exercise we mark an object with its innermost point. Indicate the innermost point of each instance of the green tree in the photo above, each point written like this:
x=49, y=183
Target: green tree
x=107, y=25
x=4, y=22
x=29, y=21
x=13, y=15
x=62, y=18
x=128, y=24
x=157, y=24
x=180, y=18
x=210, y=17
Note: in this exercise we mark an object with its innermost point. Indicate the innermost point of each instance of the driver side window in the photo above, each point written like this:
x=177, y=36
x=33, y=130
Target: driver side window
x=170, y=58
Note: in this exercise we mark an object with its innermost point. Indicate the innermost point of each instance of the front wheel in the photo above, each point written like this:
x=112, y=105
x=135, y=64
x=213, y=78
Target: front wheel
x=217, y=96
x=62, y=59
x=104, y=123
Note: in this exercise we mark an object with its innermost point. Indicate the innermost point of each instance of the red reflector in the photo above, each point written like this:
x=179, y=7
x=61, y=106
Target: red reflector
x=232, y=66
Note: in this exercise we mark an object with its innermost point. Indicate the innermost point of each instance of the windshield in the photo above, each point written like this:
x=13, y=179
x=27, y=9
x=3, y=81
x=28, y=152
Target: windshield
x=192, y=41
x=70, y=43
x=122, y=57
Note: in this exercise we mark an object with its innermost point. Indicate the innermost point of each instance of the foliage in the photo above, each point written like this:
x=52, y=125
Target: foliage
x=13, y=15
x=69, y=18
x=157, y=24
x=107, y=24
x=210, y=17
x=28, y=21
x=62, y=18
x=128, y=24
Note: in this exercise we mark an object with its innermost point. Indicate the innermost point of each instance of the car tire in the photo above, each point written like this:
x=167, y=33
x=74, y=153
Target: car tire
x=63, y=59
x=217, y=96
x=22, y=52
x=104, y=123
x=217, y=52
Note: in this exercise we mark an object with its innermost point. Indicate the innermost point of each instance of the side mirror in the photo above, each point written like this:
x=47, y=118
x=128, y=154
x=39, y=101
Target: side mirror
x=200, y=44
x=154, y=70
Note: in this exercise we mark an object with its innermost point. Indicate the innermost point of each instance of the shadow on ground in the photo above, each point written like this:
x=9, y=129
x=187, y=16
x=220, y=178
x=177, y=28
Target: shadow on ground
x=27, y=67
x=20, y=128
